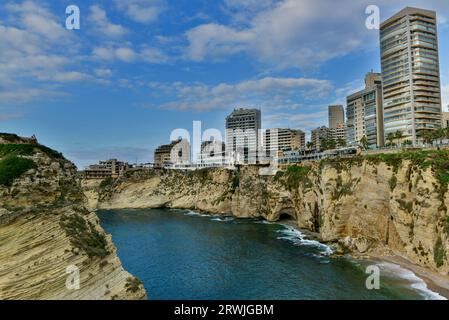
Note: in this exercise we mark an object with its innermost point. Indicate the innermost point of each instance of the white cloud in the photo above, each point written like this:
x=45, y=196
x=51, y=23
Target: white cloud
x=125, y=54
x=293, y=33
x=103, y=73
x=99, y=19
x=305, y=121
x=128, y=54
x=142, y=11
x=34, y=47
x=154, y=55
x=22, y=95
x=266, y=93
x=10, y=116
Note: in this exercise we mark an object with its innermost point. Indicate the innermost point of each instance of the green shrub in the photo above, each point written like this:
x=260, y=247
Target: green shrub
x=405, y=205
x=294, y=177
x=12, y=167
x=9, y=136
x=28, y=150
x=393, y=182
x=133, y=284
x=106, y=182
x=439, y=254
x=84, y=236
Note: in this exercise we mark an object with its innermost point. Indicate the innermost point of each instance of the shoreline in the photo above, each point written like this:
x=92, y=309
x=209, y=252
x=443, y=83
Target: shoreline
x=435, y=282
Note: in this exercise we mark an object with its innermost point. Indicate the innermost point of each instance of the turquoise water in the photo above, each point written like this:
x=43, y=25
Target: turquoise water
x=179, y=254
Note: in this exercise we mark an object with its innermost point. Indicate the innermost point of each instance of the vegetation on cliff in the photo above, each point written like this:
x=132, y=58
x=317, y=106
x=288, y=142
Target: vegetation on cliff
x=294, y=177
x=12, y=167
x=84, y=236
x=133, y=284
x=28, y=150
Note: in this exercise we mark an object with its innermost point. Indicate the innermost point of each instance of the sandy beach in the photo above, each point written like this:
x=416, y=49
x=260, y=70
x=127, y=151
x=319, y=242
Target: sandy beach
x=435, y=282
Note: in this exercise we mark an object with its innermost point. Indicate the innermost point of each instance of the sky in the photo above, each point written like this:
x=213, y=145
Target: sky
x=138, y=69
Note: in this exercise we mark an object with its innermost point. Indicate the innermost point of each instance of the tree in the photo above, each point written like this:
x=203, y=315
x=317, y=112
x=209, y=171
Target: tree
x=427, y=136
x=364, y=142
x=398, y=136
x=391, y=137
x=407, y=143
x=342, y=143
x=309, y=146
x=440, y=134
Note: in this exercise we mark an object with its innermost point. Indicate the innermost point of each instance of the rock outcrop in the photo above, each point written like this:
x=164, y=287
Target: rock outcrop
x=384, y=203
x=48, y=236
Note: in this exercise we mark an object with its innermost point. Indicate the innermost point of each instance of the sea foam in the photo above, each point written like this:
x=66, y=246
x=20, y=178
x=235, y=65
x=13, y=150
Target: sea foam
x=298, y=238
x=417, y=283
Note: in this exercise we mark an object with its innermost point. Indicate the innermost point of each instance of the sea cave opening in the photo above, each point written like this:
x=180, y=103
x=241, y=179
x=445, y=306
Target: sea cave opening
x=285, y=216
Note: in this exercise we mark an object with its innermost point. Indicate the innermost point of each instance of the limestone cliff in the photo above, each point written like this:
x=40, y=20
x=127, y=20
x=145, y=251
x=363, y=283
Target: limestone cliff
x=383, y=203
x=46, y=231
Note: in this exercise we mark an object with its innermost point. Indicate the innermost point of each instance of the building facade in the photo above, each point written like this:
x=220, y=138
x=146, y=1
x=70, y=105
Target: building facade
x=445, y=119
x=339, y=132
x=410, y=73
x=243, y=135
x=106, y=169
x=213, y=154
x=177, y=152
x=281, y=139
x=336, y=116
x=318, y=134
x=364, y=112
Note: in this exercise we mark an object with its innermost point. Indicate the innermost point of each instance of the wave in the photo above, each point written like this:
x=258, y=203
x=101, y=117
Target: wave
x=223, y=219
x=298, y=238
x=196, y=214
x=394, y=270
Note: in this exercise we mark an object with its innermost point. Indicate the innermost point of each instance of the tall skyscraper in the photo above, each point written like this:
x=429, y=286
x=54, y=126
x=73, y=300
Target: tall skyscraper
x=410, y=73
x=364, y=113
x=242, y=135
x=336, y=116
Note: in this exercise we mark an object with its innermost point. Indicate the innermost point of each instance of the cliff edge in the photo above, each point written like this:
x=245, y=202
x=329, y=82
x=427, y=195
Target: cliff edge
x=380, y=204
x=48, y=237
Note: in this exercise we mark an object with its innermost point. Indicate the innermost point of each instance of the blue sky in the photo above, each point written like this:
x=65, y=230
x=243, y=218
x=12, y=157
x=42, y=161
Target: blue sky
x=138, y=69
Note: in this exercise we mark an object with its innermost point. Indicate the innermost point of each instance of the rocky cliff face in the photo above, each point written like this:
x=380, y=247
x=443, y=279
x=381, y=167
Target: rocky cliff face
x=47, y=235
x=384, y=203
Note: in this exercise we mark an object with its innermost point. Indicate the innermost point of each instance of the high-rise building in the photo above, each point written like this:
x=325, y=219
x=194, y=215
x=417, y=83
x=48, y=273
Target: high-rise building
x=318, y=134
x=283, y=139
x=364, y=113
x=242, y=135
x=410, y=73
x=336, y=116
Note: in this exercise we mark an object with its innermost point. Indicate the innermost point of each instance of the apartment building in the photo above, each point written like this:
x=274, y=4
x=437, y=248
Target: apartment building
x=281, y=139
x=410, y=73
x=364, y=112
x=318, y=134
